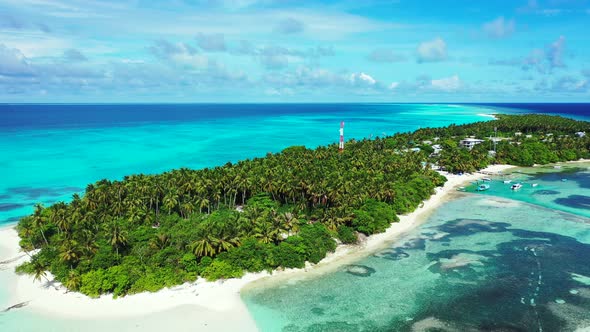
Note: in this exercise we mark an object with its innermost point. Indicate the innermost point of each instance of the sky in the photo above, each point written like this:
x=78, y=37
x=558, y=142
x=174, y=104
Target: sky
x=58, y=51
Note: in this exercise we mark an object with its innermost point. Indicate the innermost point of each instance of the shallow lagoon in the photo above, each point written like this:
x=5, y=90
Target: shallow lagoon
x=479, y=262
x=565, y=188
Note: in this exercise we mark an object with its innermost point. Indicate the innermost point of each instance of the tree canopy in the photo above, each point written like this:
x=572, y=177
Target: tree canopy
x=146, y=232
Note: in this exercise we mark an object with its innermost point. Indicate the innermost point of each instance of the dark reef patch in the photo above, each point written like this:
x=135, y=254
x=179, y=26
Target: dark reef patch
x=464, y=227
x=416, y=243
x=14, y=219
x=359, y=270
x=10, y=206
x=575, y=201
x=546, y=192
x=35, y=193
x=571, y=174
x=512, y=290
x=392, y=254
x=317, y=311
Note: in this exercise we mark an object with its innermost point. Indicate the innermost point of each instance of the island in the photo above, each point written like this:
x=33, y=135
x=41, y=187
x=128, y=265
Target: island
x=148, y=232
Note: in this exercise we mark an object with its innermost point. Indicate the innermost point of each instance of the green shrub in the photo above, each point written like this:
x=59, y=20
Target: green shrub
x=221, y=270
x=317, y=241
x=347, y=235
x=374, y=217
x=250, y=256
x=290, y=253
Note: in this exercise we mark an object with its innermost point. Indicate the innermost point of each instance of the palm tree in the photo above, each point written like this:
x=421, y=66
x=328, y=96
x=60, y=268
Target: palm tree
x=73, y=282
x=58, y=216
x=264, y=232
x=118, y=237
x=160, y=242
x=225, y=242
x=39, y=220
x=69, y=252
x=39, y=272
x=171, y=201
x=187, y=208
x=205, y=246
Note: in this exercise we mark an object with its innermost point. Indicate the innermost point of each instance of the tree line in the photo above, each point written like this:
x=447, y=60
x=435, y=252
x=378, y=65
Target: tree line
x=146, y=232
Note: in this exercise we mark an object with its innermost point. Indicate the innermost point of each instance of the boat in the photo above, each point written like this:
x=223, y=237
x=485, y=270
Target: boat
x=534, y=184
x=563, y=180
x=487, y=180
x=516, y=186
x=483, y=187
x=557, y=167
x=507, y=181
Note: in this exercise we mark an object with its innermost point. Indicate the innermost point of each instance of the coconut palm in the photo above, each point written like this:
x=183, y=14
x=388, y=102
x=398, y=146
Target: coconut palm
x=118, y=236
x=39, y=221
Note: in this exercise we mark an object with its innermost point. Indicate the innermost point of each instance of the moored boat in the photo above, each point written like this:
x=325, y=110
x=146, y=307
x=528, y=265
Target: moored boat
x=516, y=186
x=483, y=187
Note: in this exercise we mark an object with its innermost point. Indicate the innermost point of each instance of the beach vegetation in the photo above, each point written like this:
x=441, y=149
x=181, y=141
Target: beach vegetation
x=147, y=232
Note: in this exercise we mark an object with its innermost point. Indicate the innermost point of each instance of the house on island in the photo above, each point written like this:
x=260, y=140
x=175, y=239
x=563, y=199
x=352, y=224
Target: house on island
x=469, y=142
x=437, y=149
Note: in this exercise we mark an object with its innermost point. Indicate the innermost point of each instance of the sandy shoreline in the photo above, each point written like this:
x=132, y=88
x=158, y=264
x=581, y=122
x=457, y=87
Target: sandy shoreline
x=210, y=303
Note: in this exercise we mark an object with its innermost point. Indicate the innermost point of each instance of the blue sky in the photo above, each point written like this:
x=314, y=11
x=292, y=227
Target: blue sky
x=294, y=51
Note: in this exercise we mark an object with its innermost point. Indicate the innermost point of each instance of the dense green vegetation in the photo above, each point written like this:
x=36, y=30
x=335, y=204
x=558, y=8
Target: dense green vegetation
x=552, y=139
x=151, y=231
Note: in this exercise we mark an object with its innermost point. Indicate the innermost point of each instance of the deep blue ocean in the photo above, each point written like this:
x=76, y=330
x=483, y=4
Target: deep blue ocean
x=39, y=116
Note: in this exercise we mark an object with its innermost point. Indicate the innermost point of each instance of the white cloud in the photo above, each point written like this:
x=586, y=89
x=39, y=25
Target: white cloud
x=447, y=84
x=74, y=55
x=289, y=26
x=13, y=62
x=214, y=42
x=385, y=55
x=432, y=51
x=34, y=45
x=362, y=79
x=564, y=84
x=276, y=92
x=178, y=54
x=555, y=52
x=499, y=28
x=276, y=57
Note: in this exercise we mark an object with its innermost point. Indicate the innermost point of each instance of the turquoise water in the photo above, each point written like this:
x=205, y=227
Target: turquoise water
x=479, y=262
x=46, y=160
x=50, y=153
x=563, y=189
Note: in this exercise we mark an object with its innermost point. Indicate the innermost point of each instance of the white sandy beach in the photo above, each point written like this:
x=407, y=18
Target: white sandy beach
x=202, y=306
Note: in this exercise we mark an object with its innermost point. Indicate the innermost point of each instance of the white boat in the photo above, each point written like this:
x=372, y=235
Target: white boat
x=507, y=181
x=534, y=184
x=516, y=186
x=557, y=167
x=483, y=187
x=487, y=180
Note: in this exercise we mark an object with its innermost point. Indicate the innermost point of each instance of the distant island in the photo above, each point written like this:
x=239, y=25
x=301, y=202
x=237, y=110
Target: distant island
x=147, y=232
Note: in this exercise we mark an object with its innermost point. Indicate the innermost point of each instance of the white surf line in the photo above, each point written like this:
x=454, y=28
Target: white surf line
x=537, y=289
